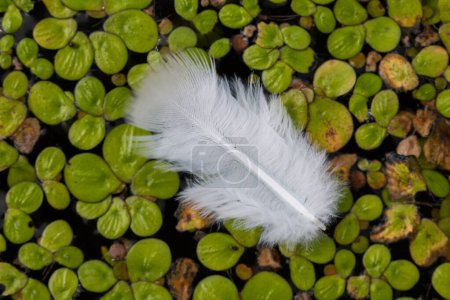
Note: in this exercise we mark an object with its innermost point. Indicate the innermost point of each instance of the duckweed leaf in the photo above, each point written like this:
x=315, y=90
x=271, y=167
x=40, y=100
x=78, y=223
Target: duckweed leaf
x=154, y=179
x=345, y=201
x=74, y=60
x=441, y=280
x=187, y=9
x=376, y=259
x=335, y=78
x=83, y=5
x=299, y=60
x=56, y=235
x=18, y=227
x=431, y=61
x=398, y=73
x=370, y=136
x=112, y=6
x=443, y=103
x=114, y=223
x=347, y=230
x=181, y=38
x=136, y=74
x=146, y=216
x=87, y=132
x=402, y=275
x=324, y=19
x=302, y=271
x=148, y=260
x=303, y=8
x=344, y=262
x=349, y=12
x=219, y=251
x=382, y=34
x=12, y=114
x=406, y=13
x=269, y=35
x=267, y=286
x=330, y=124
x=63, y=284
x=321, y=251
x=259, y=58
x=121, y=291
x=33, y=290
x=278, y=78
x=89, y=95
x=220, y=48
x=54, y=34
x=234, y=16
x=8, y=155
x=15, y=85
x=49, y=163
x=296, y=105
x=26, y=196
x=215, y=287
x=252, y=7
x=20, y=171
x=115, y=103
x=247, y=238
x=205, y=21
x=346, y=42
x=12, y=19
x=92, y=211
x=358, y=286
x=436, y=183
x=110, y=52
x=142, y=290
x=12, y=279
x=428, y=244
x=34, y=257
x=296, y=37
x=368, y=208
x=96, y=276
x=42, y=68
x=137, y=29
x=380, y=289
x=368, y=84
x=50, y=104
x=69, y=256
x=89, y=178
x=56, y=194
x=357, y=105
x=58, y=10
x=329, y=287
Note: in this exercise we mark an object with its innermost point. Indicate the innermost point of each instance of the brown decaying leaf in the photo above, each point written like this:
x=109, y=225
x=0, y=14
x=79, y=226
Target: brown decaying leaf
x=409, y=146
x=303, y=296
x=27, y=135
x=269, y=258
x=182, y=274
x=341, y=165
x=357, y=179
x=424, y=120
x=427, y=37
x=437, y=147
x=191, y=219
x=401, y=124
x=372, y=60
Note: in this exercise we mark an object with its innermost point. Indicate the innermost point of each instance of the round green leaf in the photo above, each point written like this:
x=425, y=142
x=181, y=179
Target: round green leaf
x=376, y=259
x=380, y=290
x=303, y=8
x=26, y=196
x=12, y=114
x=15, y=85
x=83, y=5
x=142, y=290
x=437, y=183
x=53, y=34
x=216, y=287
x=69, y=256
x=49, y=163
x=34, y=257
x=33, y=290
x=110, y=52
x=12, y=19
x=116, y=102
x=370, y=136
x=205, y=21
x=382, y=34
x=8, y=155
x=278, y=78
x=234, y=16
x=441, y=280
x=384, y=107
x=87, y=132
x=115, y=222
x=220, y=48
x=329, y=287
x=219, y=251
x=346, y=42
x=302, y=273
x=296, y=37
x=299, y=60
x=259, y=58
x=368, y=208
x=17, y=226
x=56, y=194
x=266, y=286
x=344, y=262
x=58, y=10
x=63, y=284
x=349, y=12
x=320, y=251
x=12, y=279
x=402, y=274
x=146, y=216
x=96, y=276
x=95, y=210
x=56, y=235
x=296, y=105
x=113, y=6
x=89, y=95
x=20, y=171
x=247, y=238
x=187, y=9
x=347, y=230
x=121, y=291
x=324, y=19
x=181, y=38
x=42, y=68
x=335, y=78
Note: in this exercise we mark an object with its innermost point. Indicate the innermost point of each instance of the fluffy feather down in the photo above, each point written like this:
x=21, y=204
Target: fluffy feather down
x=200, y=119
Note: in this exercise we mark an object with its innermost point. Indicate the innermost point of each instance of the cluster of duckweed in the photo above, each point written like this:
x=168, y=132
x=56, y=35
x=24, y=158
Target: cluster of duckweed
x=84, y=217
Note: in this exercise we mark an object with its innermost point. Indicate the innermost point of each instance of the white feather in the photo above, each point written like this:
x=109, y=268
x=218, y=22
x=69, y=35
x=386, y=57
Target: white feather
x=223, y=131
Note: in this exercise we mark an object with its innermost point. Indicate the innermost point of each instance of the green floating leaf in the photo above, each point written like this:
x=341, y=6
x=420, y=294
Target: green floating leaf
x=115, y=103
x=443, y=103
x=33, y=290
x=42, y=68
x=267, y=286
x=259, y=58
x=234, y=16
x=15, y=85
x=431, y=61
x=380, y=290
x=63, y=284
x=247, y=238
x=181, y=38
x=96, y=276
x=187, y=9
x=349, y=12
x=113, y=6
x=368, y=208
x=26, y=196
x=220, y=48
x=269, y=36
x=376, y=259
x=360, y=245
x=12, y=279
x=296, y=37
x=296, y=105
x=12, y=19
x=425, y=92
x=58, y=10
x=324, y=19
x=12, y=114
x=57, y=234
x=34, y=257
x=382, y=34
x=25, y=5
x=299, y=60
x=330, y=124
x=154, y=180
x=49, y=163
x=347, y=230
x=146, y=216
x=136, y=74
x=329, y=287
x=17, y=226
x=357, y=105
x=110, y=52
x=115, y=222
x=345, y=201
x=89, y=95
x=69, y=256
x=87, y=132
x=302, y=271
x=2, y=244
x=215, y=287
x=303, y=8
x=148, y=260
x=205, y=21
x=344, y=262
x=358, y=286
x=278, y=78
x=407, y=13
x=20, y=171
x=50, y=104
x=137, y=29
x=54, y=34
x=437, y=183
x=252, y=7
x=121, y=291
x=335, y=78
x=428, y=244
x=95, y=210
x=346, y=42
x=398, y=73
x=89, y=178
x=402, y=275
x=56, y=194
x=444, y=34
x=320, y=251
x=74, y=60
x=141, y=291
x=83, y=5
x=8, y=155
x=368, y=84
x=441, y=280
x=219, y=251
x=370, y=136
